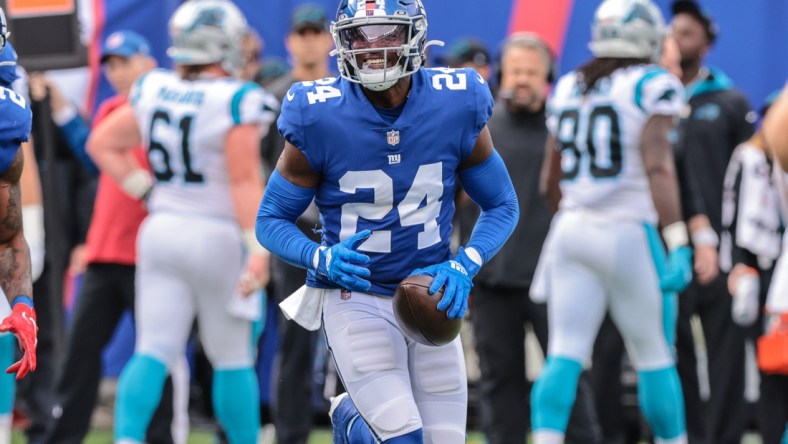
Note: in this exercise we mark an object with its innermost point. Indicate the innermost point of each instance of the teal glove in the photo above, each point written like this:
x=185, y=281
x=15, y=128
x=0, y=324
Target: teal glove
x=457, y=275
x=678, y=273
x=675, y=270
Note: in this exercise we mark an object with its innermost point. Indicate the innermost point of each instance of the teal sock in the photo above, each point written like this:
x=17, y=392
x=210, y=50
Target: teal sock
x=662, y=402
x=670, y=316
x=554, y=394
x=785, y=435
x=139, y=393
x=7, y=381
x=236, y=402
x=259, y=325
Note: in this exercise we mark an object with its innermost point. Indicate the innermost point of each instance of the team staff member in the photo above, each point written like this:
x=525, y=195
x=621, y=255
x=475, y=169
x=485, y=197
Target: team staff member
x=717, y=119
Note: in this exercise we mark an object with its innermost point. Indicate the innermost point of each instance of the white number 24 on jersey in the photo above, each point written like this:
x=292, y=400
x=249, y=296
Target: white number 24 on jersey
x=427, y=185
x=322, y=90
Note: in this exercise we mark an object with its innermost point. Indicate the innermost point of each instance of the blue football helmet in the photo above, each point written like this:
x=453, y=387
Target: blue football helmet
x=627, y=29
x=380, y=41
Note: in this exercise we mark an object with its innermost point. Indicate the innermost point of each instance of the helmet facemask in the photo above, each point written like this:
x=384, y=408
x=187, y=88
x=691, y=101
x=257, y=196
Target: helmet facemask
x=378, y=51
x=3, y=30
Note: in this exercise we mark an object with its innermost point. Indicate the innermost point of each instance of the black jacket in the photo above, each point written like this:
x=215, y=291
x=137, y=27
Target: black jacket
x=716, y=120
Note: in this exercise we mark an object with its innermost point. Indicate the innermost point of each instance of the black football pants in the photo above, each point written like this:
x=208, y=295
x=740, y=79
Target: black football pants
x=293, y=365
x=107, y=291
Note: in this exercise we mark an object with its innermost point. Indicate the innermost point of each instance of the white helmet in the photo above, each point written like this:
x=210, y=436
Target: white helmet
x=627, y=29
x=207, y=31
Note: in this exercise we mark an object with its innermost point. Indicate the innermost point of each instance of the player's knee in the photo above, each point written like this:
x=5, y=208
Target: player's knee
x=650, y=352
x=414, y=437
x=400, y=413
x=160, y=351
x=437, y=370
x=371, y=348
x=443, y=435
x=229, y=354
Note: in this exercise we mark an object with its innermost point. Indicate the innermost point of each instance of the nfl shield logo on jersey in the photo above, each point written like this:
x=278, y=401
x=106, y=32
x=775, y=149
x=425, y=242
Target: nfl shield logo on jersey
x=392, y=137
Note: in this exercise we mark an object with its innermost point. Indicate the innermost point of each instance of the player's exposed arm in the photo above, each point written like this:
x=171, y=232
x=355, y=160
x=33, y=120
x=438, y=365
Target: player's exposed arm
x=15, y=277
x=661, y=168
x=294, y=167
x=705, y=241
x=486, y=180
x=32, y=210
x=774, y=128
x=244, y=169
x=550, y=176
x=111, y=144
x=289, y=191
x=246, y=189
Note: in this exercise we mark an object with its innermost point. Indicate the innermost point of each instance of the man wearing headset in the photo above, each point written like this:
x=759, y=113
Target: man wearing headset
x=501, y=306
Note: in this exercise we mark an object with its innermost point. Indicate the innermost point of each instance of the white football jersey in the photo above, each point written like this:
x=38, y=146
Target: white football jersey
x=598, y=136
x=184, y=126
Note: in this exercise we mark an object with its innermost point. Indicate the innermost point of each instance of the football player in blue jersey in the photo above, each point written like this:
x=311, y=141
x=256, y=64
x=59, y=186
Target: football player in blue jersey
x=379, y=150
x=13, y=77
x=15, y=269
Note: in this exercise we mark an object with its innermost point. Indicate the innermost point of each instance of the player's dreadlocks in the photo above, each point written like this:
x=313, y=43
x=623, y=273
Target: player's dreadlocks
x=599, y=68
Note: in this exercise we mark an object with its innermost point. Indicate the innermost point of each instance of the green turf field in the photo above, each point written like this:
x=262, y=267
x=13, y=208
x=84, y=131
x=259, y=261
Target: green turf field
x=318, y=437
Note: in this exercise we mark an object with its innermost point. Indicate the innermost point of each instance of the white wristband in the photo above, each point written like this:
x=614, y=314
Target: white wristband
x=64, y=115
x=252, y=245
x=137, y=183
x=675, y=235
x=474, y=255
x=316, y=257
x=706, y=236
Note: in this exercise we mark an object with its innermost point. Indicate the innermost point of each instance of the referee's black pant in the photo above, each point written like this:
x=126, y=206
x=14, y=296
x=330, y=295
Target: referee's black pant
x=499, y=317
x=720, y=420
x=107, y=290
x=293, y=366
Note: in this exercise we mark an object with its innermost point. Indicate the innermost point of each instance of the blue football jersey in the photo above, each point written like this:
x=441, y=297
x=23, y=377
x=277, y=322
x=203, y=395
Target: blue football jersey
x=397, y=180
x=15, y=125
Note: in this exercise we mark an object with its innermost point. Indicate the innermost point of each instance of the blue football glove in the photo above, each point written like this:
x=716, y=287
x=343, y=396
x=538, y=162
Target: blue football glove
x=456, y=274
x=678, y=273
x=343, y=265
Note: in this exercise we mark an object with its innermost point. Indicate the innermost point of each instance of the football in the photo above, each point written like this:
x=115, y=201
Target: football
x=417, y=312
